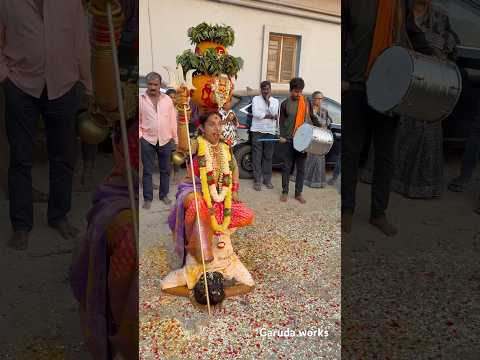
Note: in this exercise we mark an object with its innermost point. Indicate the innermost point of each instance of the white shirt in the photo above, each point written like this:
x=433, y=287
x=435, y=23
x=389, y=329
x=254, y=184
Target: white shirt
x=259, y=110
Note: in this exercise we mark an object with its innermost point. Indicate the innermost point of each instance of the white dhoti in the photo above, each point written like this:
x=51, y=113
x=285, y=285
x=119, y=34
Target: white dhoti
x=225, y=262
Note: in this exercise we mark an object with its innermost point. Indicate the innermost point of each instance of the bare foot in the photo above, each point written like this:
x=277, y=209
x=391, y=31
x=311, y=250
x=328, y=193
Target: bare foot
x=166, y=200
x=147, y=205
x=300, y=199
x=382, y=224
x=65, y=229
x=268, y=185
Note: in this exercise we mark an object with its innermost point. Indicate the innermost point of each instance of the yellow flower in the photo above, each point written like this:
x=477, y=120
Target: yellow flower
x=203, y=150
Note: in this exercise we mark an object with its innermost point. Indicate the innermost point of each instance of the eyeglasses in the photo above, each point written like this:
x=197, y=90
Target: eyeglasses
x=318, y=98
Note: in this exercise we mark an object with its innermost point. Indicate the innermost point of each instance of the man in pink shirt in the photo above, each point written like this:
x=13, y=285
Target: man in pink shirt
x=44, y=67
x=158, y=137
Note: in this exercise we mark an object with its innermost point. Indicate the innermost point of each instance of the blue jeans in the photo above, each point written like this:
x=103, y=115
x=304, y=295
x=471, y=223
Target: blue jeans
x=164, y=154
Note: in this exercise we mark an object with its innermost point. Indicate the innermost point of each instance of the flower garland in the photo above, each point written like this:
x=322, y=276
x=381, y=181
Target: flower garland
x=209, y=183
x=223, y=176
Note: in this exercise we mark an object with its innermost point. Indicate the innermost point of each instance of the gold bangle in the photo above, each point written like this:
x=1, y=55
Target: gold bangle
x=116, y=9
x=103, y=20
x=183, y=108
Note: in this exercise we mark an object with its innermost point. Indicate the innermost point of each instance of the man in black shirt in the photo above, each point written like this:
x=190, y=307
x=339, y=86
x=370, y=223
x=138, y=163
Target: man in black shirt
x=293, y=113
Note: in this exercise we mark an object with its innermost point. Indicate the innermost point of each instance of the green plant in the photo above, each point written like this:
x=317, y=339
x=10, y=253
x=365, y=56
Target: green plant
x=189, y=60
x=221, y=34
x=210, y=63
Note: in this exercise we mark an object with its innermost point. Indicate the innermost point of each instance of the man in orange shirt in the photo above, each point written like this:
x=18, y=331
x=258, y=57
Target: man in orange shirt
x=44, y=63
x=158, y=137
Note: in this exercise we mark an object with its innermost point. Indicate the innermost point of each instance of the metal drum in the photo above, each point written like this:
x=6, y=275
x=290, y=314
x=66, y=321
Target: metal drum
x=406, y=83
x=313, y=140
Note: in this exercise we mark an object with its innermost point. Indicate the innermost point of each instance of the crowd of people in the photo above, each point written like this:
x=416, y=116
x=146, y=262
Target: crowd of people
x=271, y=122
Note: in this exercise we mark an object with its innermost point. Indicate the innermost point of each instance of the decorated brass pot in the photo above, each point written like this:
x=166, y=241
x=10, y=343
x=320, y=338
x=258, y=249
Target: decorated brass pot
x=212, y=92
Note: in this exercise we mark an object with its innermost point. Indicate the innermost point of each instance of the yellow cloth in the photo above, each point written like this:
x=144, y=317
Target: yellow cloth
x=225, y=262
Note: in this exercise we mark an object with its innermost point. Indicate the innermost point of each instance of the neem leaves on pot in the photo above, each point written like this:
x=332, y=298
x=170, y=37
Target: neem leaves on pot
x=221, y=34
x=210, y=63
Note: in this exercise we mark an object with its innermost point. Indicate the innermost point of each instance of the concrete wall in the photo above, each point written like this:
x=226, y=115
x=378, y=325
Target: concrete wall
x=320, y=54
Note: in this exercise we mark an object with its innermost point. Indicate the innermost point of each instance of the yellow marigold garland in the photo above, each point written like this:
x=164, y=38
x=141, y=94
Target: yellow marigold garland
x=206, y=191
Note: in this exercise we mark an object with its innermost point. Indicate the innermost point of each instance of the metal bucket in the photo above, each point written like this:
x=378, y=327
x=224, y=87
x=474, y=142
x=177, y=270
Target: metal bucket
x=313, y=140
x=406, y=83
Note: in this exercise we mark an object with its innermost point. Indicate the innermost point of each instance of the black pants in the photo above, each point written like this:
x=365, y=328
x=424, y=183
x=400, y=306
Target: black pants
x=338, y=166
x=292, y=157
x=262, y=154
x=59, y=115
x=361, y=122
x=164, y=154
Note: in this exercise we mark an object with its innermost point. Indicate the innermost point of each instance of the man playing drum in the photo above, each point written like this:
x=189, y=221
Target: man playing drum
x=419, y=156
x=293, y=113
x=364, y=36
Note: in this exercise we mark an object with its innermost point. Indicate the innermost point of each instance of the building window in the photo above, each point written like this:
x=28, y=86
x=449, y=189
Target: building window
x=282, y=58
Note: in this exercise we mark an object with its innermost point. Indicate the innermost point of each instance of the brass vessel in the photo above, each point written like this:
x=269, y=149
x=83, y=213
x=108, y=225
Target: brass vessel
x=92, y=128
x=178, y=158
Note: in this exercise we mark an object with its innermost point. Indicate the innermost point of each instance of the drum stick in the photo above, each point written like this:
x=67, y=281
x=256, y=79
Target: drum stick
x=268, y=140
x=272, y=140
